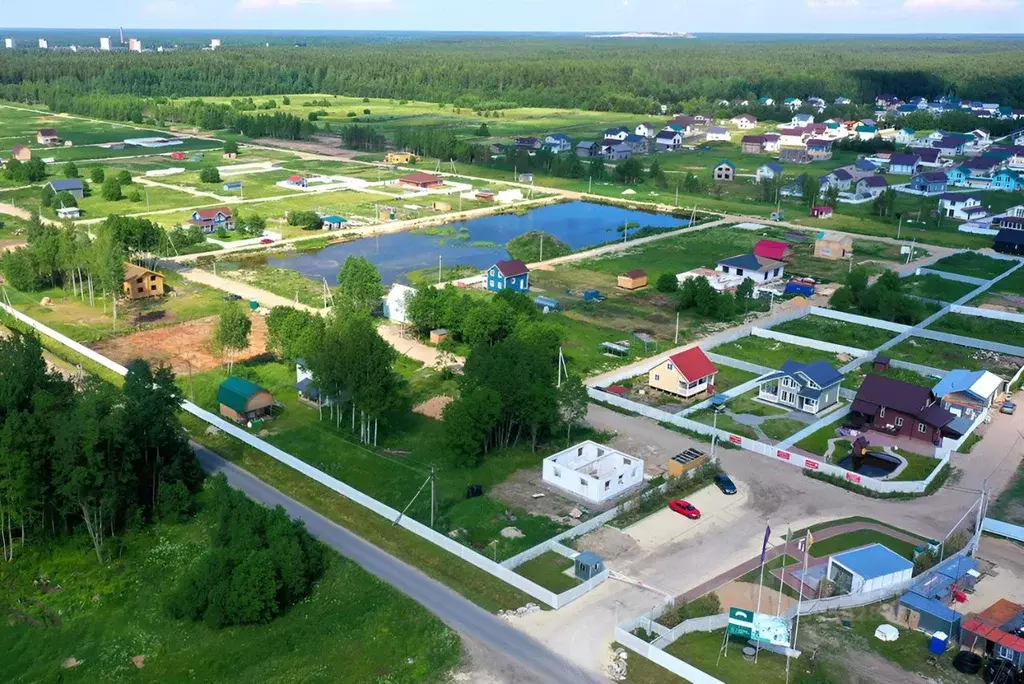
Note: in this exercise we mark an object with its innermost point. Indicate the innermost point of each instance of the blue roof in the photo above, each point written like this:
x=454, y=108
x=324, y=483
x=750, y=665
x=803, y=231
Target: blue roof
x=774, y=166
x=588, y=558
x=930, y=606
x=66, y=184
x=958, y=380
x=873, y=561
x=935, y=583
x=865, y=165
x=747, y=262
x=823, y=374
x=334, y=219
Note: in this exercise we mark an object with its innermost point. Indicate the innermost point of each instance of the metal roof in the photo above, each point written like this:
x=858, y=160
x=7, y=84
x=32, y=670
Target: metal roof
x=873, y=561
x=236, y=392
x=930, y=606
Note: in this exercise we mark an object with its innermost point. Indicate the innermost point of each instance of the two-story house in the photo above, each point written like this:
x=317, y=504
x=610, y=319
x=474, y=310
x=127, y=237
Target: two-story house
x=558, y=143
x=645, y=129
x=510, y=274
x=808, y=387
x=899, y=408
x=963, y=206
x=871, y=185
x=769, y=171
x=930, y=182
x=903, y=164
x=668, y=141
x=744, y=122
x=213, y=220
x=685, y=374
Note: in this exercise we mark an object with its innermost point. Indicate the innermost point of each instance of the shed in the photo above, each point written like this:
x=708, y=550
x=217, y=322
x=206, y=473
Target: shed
x=822, y=212
x=423, y=180
x=242, y=401
x=440, y=205
x=868, y=569
x=438, y=335
x=1009, y=241
x=588, y=564
x=927, y=615
x=881, y=363
x=632, y=280
x=546, y=303
x=332, y=222
x=680, y=464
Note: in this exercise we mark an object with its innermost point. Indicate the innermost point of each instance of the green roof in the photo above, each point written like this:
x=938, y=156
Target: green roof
x=333, y=219
x=236, y=392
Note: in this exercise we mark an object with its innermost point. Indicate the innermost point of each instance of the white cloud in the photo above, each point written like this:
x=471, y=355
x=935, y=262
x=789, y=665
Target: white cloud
x=960, y=5
x=831, y=4
x=333, y=4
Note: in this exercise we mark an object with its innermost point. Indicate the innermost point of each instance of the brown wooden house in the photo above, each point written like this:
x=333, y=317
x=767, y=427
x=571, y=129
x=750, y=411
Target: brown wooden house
x=900, y=408
x=632, y=280
x=140, y=282
x=421, y=180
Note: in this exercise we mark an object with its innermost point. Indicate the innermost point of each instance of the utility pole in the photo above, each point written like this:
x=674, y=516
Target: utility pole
x=438, y=268
x=899, y=227
x=541, y=247
x=677, y=328
x=590, y=184
x=433, y=496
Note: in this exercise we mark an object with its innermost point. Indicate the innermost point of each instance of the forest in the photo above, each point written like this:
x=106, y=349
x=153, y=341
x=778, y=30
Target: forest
x=507, y=71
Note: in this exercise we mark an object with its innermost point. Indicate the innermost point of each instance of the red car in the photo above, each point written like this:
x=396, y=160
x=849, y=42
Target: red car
x=684, y=508
x=266, y=241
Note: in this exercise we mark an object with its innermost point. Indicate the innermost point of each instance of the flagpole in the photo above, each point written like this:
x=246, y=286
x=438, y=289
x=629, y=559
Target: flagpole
x=782, y=576
x=760, y=585
x=808, y=540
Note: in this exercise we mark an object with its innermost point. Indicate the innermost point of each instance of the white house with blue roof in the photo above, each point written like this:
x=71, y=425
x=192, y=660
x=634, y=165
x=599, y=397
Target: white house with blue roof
x=808, y=387
x=967, y=393
x=759, y=269
x=869, y=568
x=558, y=143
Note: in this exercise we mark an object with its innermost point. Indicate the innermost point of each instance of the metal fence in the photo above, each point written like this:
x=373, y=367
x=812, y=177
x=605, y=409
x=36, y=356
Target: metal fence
x=970, y=280
x=858, y=319
x=963, y=341
x=808, y=342
x=1003, y=529
x=987, y=313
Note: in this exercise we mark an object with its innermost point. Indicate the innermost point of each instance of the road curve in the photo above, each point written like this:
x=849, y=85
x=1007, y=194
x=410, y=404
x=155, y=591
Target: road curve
x=456, y=611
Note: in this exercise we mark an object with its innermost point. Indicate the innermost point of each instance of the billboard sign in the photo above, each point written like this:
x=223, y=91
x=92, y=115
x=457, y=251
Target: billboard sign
x=747, y=624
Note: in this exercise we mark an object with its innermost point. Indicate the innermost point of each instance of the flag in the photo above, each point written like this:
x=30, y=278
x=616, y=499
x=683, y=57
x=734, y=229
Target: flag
x=810, y=539
x=764, y=545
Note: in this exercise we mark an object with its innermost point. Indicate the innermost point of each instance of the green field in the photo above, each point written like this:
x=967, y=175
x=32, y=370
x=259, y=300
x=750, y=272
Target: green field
x=353, y=627
x=781, y=428
x=972, y=264
x=948, y=356
x=836, y=332
x=932, y=286
x=990, y=329
x=772, y=353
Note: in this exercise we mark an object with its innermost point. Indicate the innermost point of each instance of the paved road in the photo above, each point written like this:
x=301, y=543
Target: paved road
x=537, y=663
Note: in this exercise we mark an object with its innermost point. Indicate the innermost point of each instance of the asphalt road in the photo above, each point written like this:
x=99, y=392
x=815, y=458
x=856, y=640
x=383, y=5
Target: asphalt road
x=536, y=663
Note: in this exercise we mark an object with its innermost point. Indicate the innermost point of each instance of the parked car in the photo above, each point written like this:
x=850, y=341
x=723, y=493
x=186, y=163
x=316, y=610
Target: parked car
x=725, y=483
x=684, y=508
x=266, y=241
x=1008, y=407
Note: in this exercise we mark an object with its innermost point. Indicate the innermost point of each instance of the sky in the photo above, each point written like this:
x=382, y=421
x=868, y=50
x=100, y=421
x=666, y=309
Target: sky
x=721, y=16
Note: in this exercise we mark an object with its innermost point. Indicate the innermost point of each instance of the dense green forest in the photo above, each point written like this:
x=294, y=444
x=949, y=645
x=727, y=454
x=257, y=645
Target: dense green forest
x=500, y=72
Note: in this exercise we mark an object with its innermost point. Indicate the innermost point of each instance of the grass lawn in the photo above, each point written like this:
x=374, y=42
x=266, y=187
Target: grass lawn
x=746, y=403
x=353, y=627
x=1012, y=284
x=854, y=378
x=947, y=356
x=817, y=441
x=918, y=467
x=972, y=264
x=852, y=540
x=781, y=428
x=934, y=286
x=1009, y=506
x=846, y=521
x=994, y=330
x=724, y=422
x=283, y=282
x=548, y=570
x=836, y=332
x=729, y=377
x=771, y=353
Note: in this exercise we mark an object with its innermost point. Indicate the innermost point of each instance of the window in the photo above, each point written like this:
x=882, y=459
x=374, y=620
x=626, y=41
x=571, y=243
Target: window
x=583, y=483
x=825, y=251
x=899, y=422
x=921, y=427
x=620, y=479
x=153, y=288
x=1006, y=653
x=739, y=271
x=607, y=485
x=725, y=269
x=657, y=377
x=670, y=365
x=881, y=412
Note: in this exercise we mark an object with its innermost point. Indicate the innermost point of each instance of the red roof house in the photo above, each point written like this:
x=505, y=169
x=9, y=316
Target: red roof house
x=685, y=374
x=177, y=155
x=420, y=179
x=773, y=249
x=212, y=220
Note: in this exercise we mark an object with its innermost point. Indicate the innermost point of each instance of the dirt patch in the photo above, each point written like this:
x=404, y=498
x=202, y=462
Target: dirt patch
x=433, y=407
x=12, y=244
x=518, y=490
x=139, y=661
x=609, y=543
x=321, y=144
x=744, y=595
x=181, y=346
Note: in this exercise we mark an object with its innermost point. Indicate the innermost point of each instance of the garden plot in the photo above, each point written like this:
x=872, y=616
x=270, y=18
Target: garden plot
x=973, y=264
x=993, y=330
x=772, y=353
x=836, y=332
x=948, y=356
x=932, y=286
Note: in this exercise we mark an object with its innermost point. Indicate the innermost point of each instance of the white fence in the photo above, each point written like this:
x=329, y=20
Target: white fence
x=808, y=342
x=419, y=529
x=701, y=624
x=962, y=341
x=737, y=363
x=970, y=280
x=660, y=657
x=858, y=319
x=987, y=313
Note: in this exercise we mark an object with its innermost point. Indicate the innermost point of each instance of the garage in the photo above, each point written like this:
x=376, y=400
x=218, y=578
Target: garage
x=867, y=569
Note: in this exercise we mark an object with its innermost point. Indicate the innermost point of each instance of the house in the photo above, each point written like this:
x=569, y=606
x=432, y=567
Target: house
x=926, y=156
x=632, y=280
x=744, y=122
x=419, y=179
x=752, y=144
x=297, y=181
x=802, y=119
x=959, y=176
x=967, y=393
x=685, y=125
x=177, y=156
x=904, y=164
x=213, y=220
x=668, y=141
x=769, y=171
x=511, y=273
x=904, y=136
x=703, y=119
x=68, y=213
x=759, y=269
x=899, y=408
x=821, y=212
x=717, y=133
x=930, y=182
x=309, y=392
x=793, y=137
x=595, y=474
x=807, y=387
x=870, y=568
x=950, y=146
x=724, y=171
x=619, y=152
x=243, y=401
x=75, y=186
x=398, y=158
x=841, y=179
x=618, y=133
x=772, y=142
x=140, y=282
x=685, y=374
x=833, y=246
x=773, y=249
x=766, y=101
x=872, y=185
x=47, y=136
x=841, y=101
x=21, y=153
x=1007, y=180
x=1009, y=241
x=996, y=632
x=792, y=156
x=335, y=222
x=984, y=165
x=529, y=144
x=867, y=132
x=793, y=103
x=638, y=144
x=396, y=302
x=963, y=206
x=557, y=143
x=645, y=129
x=819, y=149
x=587, y=148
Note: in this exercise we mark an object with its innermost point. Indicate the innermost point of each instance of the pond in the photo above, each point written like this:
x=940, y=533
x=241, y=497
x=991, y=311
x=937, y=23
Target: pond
x=477, y=242
x=877, y=464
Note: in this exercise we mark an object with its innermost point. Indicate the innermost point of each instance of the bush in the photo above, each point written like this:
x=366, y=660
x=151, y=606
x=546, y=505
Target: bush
x=97, y=175
x=209, y=174
x=350, y=114
x=176, y=504
x=307, y=220
x=667, y=283
x=704, y=606
x=70, y=170
x=136, y=196
x=124, y=177
x=111, y=190
x=366, y=111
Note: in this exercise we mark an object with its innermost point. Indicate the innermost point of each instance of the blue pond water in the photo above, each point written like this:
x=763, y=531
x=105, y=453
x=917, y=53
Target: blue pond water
x=578, y=224
x=875, y=464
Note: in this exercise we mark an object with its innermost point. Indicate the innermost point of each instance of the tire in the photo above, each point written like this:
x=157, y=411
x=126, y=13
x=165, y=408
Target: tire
x=967, y=662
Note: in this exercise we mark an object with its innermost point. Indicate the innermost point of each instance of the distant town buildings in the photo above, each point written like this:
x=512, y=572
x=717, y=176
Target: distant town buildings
x=105, y=44
x=134, y=45
x=43, y=44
